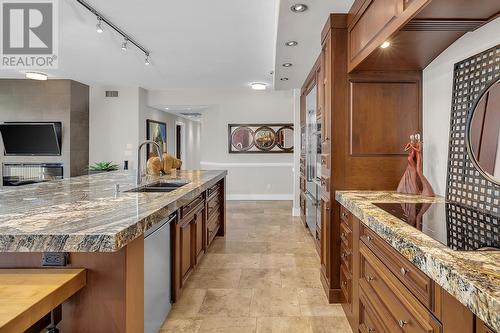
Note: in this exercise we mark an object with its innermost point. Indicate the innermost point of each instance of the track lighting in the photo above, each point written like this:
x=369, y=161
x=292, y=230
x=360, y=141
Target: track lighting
x=127, y=40
x=124, y=45
x=98, y=26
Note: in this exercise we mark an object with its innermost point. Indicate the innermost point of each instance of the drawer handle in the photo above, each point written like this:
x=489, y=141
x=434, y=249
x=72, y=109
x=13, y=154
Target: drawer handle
x=344, y=214
x=369, y=278
x=369, y=238
x=371, y=329
x=402, y=323
x=403, y=271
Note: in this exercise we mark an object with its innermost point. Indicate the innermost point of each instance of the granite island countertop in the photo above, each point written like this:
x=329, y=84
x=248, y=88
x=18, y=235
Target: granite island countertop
x=472, y=277
x=87, y=214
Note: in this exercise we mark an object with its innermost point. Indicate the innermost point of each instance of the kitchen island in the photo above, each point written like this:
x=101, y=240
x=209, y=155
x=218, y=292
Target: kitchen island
x=100, y=226
x=434, y=286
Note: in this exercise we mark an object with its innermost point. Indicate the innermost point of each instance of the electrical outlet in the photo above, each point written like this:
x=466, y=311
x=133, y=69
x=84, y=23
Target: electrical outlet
x=54, y=259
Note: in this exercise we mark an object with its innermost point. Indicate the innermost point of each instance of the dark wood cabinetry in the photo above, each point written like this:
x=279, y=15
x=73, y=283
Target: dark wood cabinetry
x=199, y=222
x=384, y=292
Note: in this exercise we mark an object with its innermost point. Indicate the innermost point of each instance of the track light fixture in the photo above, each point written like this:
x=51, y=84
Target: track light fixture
x=126, y=38
x=124, y=45
x=98, y=26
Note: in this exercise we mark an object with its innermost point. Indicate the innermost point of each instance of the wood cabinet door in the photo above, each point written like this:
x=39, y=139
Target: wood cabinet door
x=186, y=257
x=199, y=231
x=325, y=240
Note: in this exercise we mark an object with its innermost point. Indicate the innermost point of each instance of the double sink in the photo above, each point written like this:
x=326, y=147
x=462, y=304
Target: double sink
x=161, y=186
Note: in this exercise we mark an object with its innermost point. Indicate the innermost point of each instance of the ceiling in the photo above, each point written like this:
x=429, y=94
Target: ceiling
x=305, y=28
x=223, y=44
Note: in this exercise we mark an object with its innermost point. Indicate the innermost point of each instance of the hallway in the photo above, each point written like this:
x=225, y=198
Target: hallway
x=264, y=276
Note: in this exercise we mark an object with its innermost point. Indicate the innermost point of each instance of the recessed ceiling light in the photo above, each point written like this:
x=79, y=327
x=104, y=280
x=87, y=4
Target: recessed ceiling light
x=298, y=8
x=284, y=79
x=385, y=45
x=291, y=43
x=36, y=76
x=287, y=64
x=258, y=86
x=166, y=108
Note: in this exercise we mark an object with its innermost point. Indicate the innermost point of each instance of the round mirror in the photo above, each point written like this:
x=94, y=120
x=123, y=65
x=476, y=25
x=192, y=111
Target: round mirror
x=284, y=138
x=265, y=138
x=484, y=133
x=242, y=138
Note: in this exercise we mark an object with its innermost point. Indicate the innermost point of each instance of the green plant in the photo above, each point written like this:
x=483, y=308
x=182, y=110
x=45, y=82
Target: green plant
x=103, y=166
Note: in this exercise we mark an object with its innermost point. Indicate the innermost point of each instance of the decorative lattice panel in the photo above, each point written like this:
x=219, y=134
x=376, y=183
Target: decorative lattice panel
x=465, y=185
x=470, y=229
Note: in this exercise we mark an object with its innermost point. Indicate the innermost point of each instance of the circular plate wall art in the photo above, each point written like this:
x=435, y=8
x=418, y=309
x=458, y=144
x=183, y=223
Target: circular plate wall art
x=284, y=138
x=242, y=138
x=265, y=138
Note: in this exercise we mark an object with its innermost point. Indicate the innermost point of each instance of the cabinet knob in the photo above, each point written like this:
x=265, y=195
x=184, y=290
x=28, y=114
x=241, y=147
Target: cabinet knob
x=369, y=238
x=402, y=323
x=371, y=329
x=344, y=283
x=403, y=271
x=369, y=278
x=195, y=216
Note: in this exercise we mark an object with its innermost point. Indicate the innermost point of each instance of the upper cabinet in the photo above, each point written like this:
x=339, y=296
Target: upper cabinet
x=417, y=30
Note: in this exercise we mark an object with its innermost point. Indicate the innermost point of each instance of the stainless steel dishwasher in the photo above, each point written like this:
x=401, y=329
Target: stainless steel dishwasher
x=157, y=275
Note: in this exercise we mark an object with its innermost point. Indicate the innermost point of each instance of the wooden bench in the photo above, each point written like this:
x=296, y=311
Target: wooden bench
x=31, y=297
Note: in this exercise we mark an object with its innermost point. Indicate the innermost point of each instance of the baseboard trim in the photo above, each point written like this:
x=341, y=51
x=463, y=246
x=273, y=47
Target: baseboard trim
x=260, y=197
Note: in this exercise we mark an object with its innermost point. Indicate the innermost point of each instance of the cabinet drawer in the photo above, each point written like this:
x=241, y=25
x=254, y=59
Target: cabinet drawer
x=397, y=308
x=213, y=206
x=346, y=284
x=212, y=228
x=368, y=320
x=185, y=210
x=214, y=190
x=345, y=235
x=346, y=216
x=346, y=257
x=414, y=279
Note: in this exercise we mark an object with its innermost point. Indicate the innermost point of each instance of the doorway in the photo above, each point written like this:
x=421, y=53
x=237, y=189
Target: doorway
x=180, y=143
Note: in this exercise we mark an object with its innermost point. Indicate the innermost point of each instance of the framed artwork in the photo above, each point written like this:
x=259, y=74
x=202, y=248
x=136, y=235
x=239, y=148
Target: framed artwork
x=260, y=138
x=156, y=131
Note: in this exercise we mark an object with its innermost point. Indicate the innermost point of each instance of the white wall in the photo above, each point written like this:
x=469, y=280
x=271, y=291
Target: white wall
x=437, y=90
x=113, y=125
x=250, y=176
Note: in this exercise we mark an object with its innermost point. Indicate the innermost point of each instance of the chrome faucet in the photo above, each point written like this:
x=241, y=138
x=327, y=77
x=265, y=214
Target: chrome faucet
x=158, y=152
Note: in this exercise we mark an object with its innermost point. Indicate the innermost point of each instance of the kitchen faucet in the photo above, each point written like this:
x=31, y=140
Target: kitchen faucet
x=158, y=152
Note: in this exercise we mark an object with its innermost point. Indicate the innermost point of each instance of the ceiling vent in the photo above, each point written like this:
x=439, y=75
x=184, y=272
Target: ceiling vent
x=191, y=114
x=111, y=93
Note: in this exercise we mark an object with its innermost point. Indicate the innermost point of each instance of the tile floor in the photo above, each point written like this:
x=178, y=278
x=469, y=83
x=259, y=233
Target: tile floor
x=263, y=277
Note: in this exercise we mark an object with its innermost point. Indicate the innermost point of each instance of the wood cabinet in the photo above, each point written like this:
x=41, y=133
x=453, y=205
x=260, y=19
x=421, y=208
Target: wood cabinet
x=384, y=292
x=198, y=223
x=418, y=30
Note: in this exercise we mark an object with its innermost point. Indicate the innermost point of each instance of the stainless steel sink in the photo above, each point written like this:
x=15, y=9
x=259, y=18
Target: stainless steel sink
x=161, y=186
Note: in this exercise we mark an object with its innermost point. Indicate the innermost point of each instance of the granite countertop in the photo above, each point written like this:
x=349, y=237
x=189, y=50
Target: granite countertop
x=471, y=277
x=86, y=214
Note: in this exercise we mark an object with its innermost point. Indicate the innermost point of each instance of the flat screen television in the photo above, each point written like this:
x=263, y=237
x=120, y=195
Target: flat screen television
x=31, y=138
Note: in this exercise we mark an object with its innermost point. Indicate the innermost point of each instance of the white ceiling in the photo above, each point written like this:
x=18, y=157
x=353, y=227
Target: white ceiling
x=305, y=28
x=194, y=44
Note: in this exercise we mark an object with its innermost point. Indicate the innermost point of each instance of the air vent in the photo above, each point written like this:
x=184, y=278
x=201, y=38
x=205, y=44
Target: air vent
x=111, y=93
x=191, y=114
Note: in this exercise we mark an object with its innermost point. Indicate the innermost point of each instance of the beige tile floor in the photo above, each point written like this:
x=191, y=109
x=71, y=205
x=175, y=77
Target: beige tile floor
x=263, y=277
